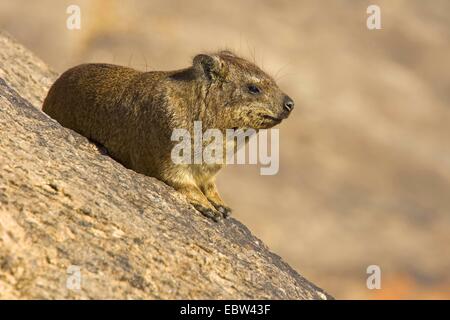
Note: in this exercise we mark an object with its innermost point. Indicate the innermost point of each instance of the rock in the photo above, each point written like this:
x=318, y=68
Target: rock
x=76, y=224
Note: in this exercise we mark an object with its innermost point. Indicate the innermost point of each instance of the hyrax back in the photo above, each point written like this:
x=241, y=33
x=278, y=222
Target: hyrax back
x=133, y=114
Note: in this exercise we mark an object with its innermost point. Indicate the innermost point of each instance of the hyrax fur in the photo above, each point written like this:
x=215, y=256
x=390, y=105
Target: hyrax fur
x=133, y=114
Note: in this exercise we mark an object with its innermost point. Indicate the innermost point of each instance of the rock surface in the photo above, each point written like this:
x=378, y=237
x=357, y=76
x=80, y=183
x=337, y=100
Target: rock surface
x=71, y=215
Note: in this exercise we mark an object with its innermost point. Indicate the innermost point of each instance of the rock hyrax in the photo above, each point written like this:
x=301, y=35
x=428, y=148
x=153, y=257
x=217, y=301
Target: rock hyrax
x=133, y=113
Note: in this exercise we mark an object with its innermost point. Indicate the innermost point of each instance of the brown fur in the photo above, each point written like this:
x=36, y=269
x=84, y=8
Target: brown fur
x=132, y=114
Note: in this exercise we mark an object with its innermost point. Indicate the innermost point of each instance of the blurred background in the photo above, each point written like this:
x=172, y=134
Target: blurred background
x=364, y=158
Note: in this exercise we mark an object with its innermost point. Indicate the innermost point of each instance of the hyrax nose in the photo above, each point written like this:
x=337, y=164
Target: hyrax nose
x=288, y=104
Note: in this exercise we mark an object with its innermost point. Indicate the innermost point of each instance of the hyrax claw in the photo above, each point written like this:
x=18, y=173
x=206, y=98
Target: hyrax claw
x=209, y=213
x=225, y=211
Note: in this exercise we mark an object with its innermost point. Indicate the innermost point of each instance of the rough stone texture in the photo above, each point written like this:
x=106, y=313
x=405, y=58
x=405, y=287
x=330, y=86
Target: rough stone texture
x=63, y=203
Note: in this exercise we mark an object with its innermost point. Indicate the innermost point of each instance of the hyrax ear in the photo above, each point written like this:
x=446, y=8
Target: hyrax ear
x=210, y=66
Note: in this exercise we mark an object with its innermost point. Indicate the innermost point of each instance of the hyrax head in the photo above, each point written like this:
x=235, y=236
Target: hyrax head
x=242, y=95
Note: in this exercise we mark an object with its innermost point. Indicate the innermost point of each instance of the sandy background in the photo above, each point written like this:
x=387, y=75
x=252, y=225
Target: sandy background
x=365, y=157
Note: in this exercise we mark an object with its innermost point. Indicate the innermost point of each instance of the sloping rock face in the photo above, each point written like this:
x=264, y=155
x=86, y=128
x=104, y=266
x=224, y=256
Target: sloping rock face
x=76, y=224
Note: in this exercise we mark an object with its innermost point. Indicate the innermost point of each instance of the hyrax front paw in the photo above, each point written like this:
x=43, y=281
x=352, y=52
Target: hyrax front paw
x=208, y=212
x=224, y=210
x=210, y=191
x=198, y=200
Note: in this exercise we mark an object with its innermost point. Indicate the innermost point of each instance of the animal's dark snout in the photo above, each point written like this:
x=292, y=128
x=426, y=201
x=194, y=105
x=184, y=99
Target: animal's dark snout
x=288, y=104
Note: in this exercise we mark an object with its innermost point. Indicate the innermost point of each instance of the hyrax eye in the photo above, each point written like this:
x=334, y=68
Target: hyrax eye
x=253, y=89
